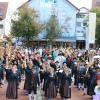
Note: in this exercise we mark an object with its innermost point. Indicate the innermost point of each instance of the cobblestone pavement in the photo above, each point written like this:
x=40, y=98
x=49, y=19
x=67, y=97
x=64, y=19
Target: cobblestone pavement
x=76, y=94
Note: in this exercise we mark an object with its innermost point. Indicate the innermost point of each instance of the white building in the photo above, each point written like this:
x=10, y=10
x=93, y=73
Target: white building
x=13, y=5
x=7, y=9
x=85, y=28
x=3, y=11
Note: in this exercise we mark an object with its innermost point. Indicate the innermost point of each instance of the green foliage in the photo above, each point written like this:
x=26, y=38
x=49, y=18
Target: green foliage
x=26, y=25
x=97, y=11
x=52, y=29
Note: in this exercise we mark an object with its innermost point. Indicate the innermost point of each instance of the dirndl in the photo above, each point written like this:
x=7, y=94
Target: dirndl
x=51, y=91
x=12, y=92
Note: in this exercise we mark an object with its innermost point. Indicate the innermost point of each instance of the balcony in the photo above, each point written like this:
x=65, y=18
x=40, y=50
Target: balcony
x=67, y=39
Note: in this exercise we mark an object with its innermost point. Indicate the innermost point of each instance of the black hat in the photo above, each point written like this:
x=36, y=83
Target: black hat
x=64, y=63
x=14, y=62
x=53, y=66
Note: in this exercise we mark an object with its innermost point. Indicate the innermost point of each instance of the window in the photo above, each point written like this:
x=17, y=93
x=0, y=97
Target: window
x=55, y=1
x=98, y=2
x=80, y=16
x=1, y=26
x=82, y=31
x=1, y=12
x=78, y=31
x=85, y=24
x=46, y=1
x=78, y=23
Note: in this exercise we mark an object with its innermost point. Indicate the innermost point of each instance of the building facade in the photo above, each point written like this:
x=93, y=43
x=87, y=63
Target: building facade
x=77, y=21
x=85, y=28
x=95, y=3
x=64, y=10
x=3, y=11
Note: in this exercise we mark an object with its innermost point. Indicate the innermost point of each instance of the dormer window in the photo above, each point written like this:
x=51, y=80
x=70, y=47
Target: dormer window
x=1, y=26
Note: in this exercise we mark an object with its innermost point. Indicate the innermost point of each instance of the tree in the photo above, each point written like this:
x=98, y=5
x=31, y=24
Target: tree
x=52, y=29
x=97, y=11
x=26, y=26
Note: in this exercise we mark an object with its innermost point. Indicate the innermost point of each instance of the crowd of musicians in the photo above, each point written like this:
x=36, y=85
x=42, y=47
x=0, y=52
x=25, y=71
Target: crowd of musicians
x=54, y=72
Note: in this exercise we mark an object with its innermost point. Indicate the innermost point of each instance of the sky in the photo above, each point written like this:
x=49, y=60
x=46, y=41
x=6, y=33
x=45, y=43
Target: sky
x=81, y=3
x=78, y=3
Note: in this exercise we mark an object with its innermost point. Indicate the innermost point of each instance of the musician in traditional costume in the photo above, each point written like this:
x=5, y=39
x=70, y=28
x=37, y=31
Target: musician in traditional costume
x=36, y=62
x=51, y=84
x=93, y=76
x=12, y=90
x=1, y=73
x=27, y=76
x=65, y=90
x=30, y=81
x=46, y=73
x=86, y=79
x=81, y=73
